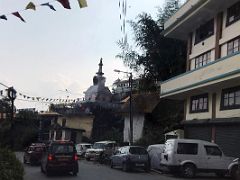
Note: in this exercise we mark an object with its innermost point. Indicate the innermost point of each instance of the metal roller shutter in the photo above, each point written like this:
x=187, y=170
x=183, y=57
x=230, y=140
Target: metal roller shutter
x=228, y=138
x=198, y=132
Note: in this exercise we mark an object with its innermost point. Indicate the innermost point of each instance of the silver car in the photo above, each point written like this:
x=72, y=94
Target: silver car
x=130, y=157
x=81, y=148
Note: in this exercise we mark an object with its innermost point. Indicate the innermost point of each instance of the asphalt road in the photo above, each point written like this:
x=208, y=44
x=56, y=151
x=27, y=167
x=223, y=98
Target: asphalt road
x=94, y=171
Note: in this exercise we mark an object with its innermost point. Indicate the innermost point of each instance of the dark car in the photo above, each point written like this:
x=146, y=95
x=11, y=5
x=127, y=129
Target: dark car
x=130, y=157
x=61, y=156
x=33, y=153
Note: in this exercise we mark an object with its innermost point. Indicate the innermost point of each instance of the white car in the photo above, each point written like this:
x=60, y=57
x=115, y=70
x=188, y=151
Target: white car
x=189, y=156
x=155, y=151
x=100, y=149
x=81, y=148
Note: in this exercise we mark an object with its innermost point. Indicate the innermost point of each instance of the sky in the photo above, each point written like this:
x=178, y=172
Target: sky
x=58, y=50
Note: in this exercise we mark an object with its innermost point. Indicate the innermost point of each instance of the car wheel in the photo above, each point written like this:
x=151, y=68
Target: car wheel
x=31, y=162
x=42, y=169
x=220, y=174
x=235, y=173
x=147, y=168
x=48, y=173
x=24, y=160
x=125, y=167
x=74, y=173
x=188, y=171
x=111, y=164
x=88, y=159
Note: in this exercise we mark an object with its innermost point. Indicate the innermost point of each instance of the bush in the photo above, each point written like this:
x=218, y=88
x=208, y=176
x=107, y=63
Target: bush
x=10, y=167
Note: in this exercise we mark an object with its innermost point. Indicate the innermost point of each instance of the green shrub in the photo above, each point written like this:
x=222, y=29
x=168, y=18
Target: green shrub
x=10, y=167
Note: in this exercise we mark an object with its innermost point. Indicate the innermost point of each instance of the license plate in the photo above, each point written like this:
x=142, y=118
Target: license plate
x=139, y=165
x=62, y=159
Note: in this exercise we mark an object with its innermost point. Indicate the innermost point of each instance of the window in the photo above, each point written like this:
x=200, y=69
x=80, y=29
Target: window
x=233, y=46
x=213, y=151
x=187, y=148
x=62, y=148
x=233, y=14
x=137, y=151
x=199, y=103
x=203, y=59
x=204, y=31
x=230, y=98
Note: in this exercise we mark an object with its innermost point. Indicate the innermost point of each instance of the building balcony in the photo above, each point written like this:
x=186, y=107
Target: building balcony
x=209, y=78
x=192, y=14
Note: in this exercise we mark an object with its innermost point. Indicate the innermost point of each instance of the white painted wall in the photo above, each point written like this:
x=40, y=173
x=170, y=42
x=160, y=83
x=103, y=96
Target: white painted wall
x=202, y=115
x=138, y=124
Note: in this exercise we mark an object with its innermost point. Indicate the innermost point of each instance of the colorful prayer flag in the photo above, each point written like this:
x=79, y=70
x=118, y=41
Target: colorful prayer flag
x=49, y=5
x=18, y=15
x=31, y=6
x=65, y=3
x=3, y=17
x=82, y=3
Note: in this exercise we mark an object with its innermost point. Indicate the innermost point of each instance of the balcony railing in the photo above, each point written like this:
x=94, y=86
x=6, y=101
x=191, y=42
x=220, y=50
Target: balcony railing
x=203, y=76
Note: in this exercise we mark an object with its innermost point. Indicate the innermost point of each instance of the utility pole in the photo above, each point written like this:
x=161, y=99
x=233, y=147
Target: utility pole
x=130, y=110
x=12, y=94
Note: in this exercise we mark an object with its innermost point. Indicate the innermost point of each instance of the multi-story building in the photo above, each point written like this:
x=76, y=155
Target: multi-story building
x=121, y=88
x=211, y=84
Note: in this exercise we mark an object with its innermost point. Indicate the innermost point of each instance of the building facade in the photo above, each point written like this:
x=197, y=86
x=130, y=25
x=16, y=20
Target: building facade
x=121, y=88
x=210, y=86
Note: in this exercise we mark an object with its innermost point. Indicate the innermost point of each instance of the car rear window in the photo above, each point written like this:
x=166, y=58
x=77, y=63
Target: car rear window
x=99, y=146
x=137, y=150
x=62, y=148
x=39, y=149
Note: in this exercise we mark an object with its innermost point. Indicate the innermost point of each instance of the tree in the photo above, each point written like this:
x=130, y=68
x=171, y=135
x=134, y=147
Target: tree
x=18, y=133
x=160, y=58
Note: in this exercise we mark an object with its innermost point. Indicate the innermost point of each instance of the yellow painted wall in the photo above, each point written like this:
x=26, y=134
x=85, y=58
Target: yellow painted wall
x=213, y=70
x=75, y=122
x=231, y=31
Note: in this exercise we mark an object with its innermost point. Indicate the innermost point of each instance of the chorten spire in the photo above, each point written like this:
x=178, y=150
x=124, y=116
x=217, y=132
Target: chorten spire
x=100, y=73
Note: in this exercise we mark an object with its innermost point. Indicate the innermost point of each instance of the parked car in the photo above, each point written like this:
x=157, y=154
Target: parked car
x=155, y=151
x=33, y=153
x=189, y=156
x=101, y=150
x=81, y=148
x=234, y=169
x=130, y=157
x=61, y=156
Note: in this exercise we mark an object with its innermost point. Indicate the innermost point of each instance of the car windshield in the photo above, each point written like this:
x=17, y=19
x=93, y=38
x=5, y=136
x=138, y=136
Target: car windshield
x=137, y=150
x=38, y=149
x=88, y=146
x=62, y=148
x=98, y=146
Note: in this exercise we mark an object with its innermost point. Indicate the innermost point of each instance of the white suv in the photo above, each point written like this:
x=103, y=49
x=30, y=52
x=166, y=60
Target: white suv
x=100, y=150
x=189, y=156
